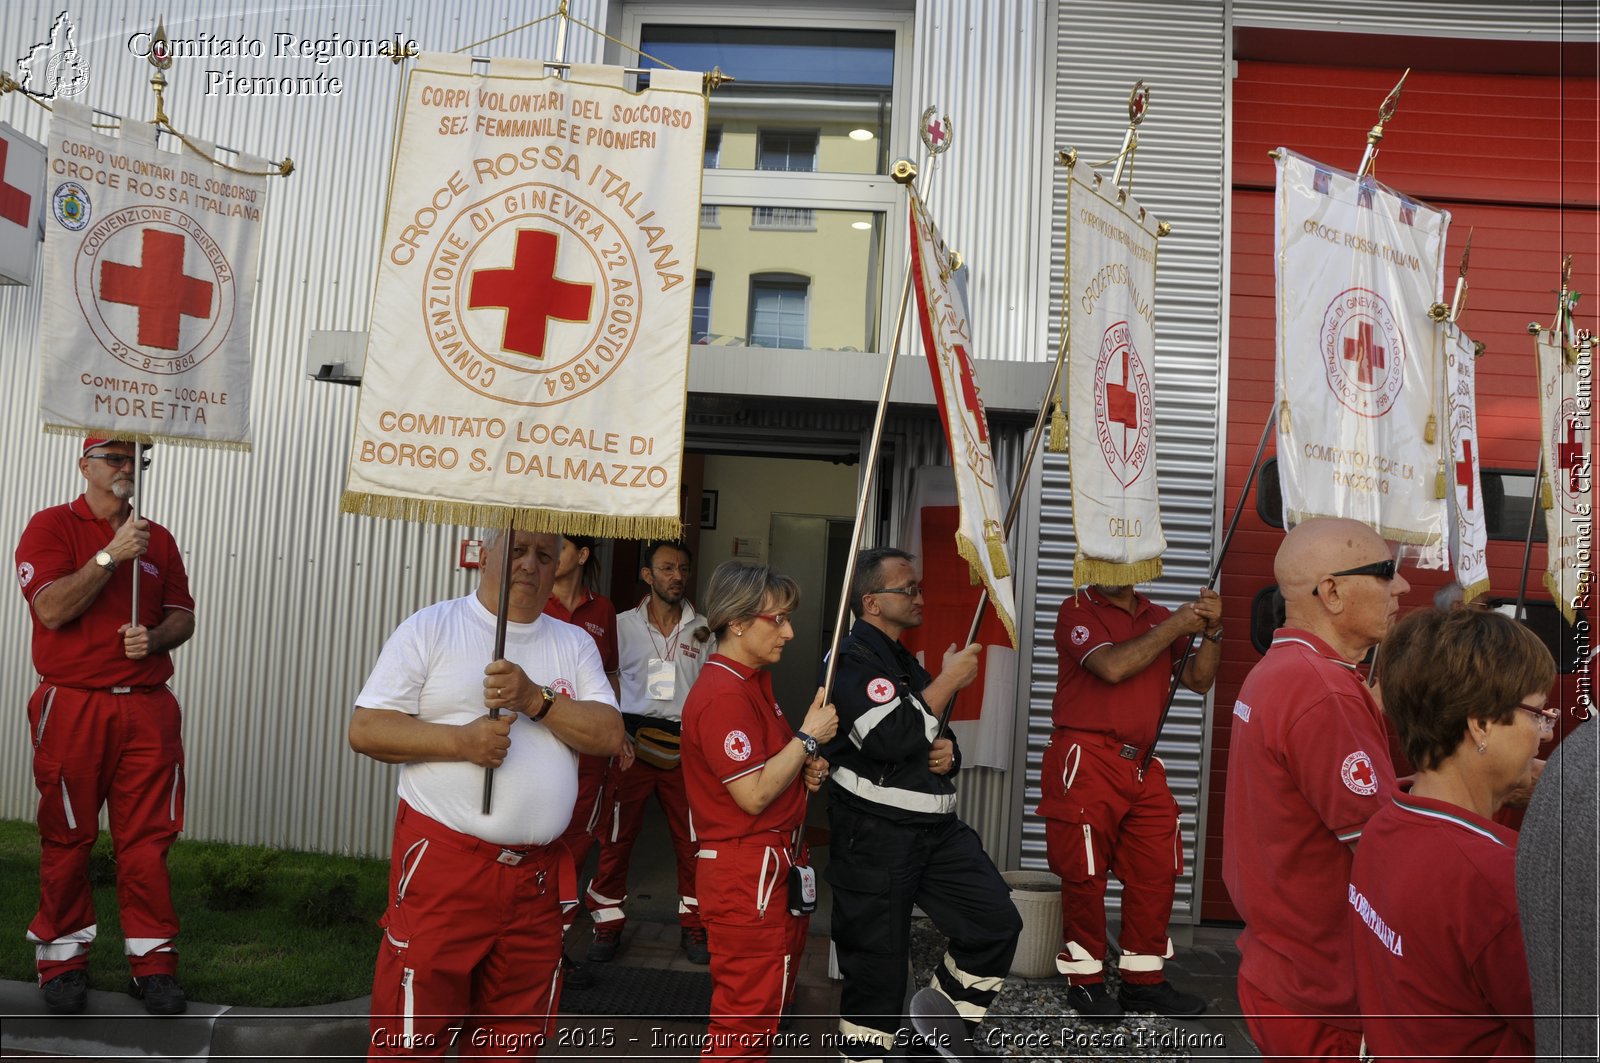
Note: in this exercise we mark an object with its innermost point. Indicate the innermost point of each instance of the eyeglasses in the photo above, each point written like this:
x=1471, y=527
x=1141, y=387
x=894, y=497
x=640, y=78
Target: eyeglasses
x=120, y=461
x=1384, y=570
x=778, y=619
x=910, y=590
x=1547, y=716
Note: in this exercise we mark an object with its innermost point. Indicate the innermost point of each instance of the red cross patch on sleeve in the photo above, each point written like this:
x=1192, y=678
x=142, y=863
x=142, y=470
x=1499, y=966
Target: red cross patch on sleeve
x=1359, y=775
x=881, y=691
x=737, y=746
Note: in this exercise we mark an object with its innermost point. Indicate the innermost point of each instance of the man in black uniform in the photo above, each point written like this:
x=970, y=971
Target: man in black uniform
x=896, y=841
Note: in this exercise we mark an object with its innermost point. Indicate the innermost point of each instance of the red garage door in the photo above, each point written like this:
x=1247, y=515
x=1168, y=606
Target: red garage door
x=1513, y=158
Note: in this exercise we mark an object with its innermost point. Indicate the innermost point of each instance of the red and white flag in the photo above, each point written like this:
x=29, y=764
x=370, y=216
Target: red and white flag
x=1462, y=469
x=947, y=342
x=1358, y=267
x=22, y=161
x=1110, y=382
x=1566, y=409
x=149, y=279
x=529, y=345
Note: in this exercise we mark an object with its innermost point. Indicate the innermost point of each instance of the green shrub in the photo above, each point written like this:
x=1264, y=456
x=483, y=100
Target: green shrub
x=332, y=903
x=235, y=879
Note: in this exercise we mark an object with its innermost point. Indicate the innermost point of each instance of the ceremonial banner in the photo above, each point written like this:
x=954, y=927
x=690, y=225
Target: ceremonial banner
x=1358, y=267
x=149, y=277
x=1566, y=406
x=985, y=712
x=529, y=343
x=1461, y=414
x=22, y=161
x=947, y=342
x=1110, y=384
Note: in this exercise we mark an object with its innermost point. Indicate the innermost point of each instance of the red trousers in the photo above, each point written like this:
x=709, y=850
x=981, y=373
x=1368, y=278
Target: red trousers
x=471, y=944
x=124, y=751
x=631, y=791
x=755, y=943
x=1283, y=1035
x=579, y=836
x=1101, y=817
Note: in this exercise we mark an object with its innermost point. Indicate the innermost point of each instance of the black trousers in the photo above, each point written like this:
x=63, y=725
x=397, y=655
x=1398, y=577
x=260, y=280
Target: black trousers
x=878, y=870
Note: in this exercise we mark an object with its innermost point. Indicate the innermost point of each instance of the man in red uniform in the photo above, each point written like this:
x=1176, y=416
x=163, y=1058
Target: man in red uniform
x=105, y=728
x=1308, y=765
x=1102, y=811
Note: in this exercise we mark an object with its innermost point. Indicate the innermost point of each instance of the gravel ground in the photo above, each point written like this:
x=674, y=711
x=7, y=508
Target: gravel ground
x=1031, y=1020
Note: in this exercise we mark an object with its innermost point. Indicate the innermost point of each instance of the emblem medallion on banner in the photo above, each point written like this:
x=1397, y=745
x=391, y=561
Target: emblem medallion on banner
x=156, y=289
x=1464, y=463
x=1362, y=351
x=522, y=274
x=1124, y=406
x=1571, y=478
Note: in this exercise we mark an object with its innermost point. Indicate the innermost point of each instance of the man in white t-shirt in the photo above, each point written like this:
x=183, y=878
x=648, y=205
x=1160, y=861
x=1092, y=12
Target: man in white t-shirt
x=661, y=646
x=472, y=931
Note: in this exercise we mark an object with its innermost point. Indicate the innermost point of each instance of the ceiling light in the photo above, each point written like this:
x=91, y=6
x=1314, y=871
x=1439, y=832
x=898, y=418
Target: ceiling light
x=861, y=134
x=861, y=225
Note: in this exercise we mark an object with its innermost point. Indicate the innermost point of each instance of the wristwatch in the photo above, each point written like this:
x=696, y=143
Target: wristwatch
x=1214, y=636
x=105, y=560
x=807, y=741
x=549, y=696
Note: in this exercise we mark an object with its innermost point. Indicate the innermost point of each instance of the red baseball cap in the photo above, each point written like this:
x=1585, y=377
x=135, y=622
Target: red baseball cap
x=90, y=443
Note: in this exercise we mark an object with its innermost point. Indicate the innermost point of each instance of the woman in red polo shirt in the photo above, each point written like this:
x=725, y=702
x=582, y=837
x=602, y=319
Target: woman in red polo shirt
x=747, y=772
x=1440, y=967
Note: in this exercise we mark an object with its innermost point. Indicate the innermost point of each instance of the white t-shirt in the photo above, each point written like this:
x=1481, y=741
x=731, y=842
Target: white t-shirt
x=432, y=668
x=639, y=642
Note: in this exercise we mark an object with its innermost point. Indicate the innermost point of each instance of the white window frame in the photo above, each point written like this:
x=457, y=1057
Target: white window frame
x=876, y=193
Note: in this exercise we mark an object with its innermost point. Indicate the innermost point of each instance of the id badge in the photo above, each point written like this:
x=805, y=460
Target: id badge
x=660, y=679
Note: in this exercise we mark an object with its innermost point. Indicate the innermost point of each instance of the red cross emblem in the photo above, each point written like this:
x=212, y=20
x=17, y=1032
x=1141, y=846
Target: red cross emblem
x=1569, y=457
x=1464, y=470
x=1122, y=404
x=530, y=293
x=936, y=132
x=158, y=288
x=1359, y=774
x=737, y=745
x=1363, y=349
x=881, y=691
x=969, y=393
x=14, y=201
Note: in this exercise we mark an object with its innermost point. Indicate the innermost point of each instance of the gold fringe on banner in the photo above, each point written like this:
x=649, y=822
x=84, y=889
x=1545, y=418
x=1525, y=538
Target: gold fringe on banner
x=1283, y=418
x=430, y=511
x=1058, y=429
x=969, y=553
x=1090, y=571
x=1439, y=487
x=1561, y=601
x=1480, y=587
x=1397, y=535
x=146, y=437
x=1430, y=433
x=996, y=541
x=1547, y=499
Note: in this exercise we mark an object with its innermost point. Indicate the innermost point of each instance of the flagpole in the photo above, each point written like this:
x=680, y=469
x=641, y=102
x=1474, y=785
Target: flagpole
x=1216, y=572
x=1527, y=540
x=503, y=605
x=904, y=172
x=133, y=514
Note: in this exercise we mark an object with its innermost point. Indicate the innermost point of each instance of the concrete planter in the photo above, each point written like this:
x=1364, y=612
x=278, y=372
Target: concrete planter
x=1037, y=895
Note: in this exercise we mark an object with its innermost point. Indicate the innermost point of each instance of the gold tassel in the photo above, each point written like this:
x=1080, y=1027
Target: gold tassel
x=997, y=549
x=1439, y=487
x=1283, y=417
x=1058, y=429
x=974, y=575
x=1547, y=500
x=1430, y=434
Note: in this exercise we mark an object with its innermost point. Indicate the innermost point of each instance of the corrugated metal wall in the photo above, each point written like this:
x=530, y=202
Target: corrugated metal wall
x=1179, y=50
x=1492, y=19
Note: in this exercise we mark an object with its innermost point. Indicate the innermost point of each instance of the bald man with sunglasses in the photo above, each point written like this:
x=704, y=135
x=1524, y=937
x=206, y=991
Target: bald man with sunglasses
x=1308, y=765
x=105, y=728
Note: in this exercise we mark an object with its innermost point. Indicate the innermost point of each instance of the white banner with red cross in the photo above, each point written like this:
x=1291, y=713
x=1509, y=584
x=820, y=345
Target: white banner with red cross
x=22, y=163
x=149, y=279
x=1110, y=384
x=1358, y=267
x=947, y=342
x=1566, y=407
x=1471, y=551
x=529, y=342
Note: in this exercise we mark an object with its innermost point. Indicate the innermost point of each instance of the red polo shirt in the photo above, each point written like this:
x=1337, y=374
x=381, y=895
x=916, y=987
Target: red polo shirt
x=1129, y=710
x=88, y=651
x=731, y=726
x=1432, y=907
x=598, y=617
x=1308, y=765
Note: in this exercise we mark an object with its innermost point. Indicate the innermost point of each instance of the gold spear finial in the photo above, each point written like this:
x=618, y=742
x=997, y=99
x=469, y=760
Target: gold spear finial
x=161, y=58
x=1385, y=112
x=1458, y=302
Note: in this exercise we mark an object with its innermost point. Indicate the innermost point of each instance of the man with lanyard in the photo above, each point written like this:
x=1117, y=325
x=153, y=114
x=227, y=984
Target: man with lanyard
x=1308, y=765
x=105, y=728
x=661, y=653
x=472, y=930
x=895, y=838
x=1103, y=810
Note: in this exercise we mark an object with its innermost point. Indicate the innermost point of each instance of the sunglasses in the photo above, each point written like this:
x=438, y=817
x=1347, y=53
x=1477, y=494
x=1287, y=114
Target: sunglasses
x=1384, y=570
x=119, y=461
